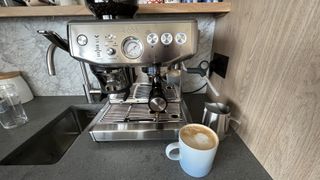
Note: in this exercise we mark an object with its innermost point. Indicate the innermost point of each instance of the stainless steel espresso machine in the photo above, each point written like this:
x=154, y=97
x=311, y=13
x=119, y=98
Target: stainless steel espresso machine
x=138, y=108
x=137, y=63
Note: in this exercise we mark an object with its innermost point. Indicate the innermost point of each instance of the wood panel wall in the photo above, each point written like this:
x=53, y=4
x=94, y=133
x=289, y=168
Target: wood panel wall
x=273, y=81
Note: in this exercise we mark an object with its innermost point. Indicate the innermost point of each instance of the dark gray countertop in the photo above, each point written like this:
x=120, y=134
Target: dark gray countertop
x=119, y=160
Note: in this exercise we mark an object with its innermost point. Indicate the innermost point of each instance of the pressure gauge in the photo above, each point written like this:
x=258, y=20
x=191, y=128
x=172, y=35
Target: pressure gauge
x=132, y=48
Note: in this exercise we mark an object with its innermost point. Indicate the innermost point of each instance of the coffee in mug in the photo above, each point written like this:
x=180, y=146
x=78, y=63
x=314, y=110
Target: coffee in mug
x=197, y=148
x=198, y=137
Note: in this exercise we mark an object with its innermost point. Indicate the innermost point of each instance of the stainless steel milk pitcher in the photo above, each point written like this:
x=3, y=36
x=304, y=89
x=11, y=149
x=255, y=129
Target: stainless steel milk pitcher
x=217, y=117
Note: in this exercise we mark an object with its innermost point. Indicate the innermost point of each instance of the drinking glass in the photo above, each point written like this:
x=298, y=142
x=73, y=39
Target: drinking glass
x=12, y=113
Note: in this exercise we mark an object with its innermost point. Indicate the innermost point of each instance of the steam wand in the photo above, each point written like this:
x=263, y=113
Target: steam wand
x=202, y=71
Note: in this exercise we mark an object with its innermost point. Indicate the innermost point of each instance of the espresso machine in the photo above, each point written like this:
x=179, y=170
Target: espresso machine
x=119, y=51
x=138, y=65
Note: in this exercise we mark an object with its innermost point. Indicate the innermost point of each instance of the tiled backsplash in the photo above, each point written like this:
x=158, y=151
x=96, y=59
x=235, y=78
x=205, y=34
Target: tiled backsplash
x=23, y=49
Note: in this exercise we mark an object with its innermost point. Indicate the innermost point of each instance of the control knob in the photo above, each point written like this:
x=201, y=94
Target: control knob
x=82, y=40
x=166, y=38
x=111, y=51
x=152, y=39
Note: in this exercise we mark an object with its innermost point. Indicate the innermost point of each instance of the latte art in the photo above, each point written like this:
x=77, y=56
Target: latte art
x=198, y=137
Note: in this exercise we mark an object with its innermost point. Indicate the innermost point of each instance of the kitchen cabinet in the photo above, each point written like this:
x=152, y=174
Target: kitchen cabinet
x=79, y=10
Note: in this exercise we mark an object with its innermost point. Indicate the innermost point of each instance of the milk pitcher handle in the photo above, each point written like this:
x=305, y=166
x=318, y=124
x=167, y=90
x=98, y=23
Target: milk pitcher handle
x=237, y=122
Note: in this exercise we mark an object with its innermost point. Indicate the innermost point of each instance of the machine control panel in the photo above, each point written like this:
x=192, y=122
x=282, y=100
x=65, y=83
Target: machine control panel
x=132, y=42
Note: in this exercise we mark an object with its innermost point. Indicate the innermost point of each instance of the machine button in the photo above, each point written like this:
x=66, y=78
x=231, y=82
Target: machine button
x=181, y=38
x=110, y=36
x=152, y=39
x=82, y=40
x=111, y=51
x=166, y=38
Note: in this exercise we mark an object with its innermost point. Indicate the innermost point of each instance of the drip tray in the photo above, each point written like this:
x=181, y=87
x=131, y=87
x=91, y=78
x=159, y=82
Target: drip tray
x=134, y=122
x=136, y=131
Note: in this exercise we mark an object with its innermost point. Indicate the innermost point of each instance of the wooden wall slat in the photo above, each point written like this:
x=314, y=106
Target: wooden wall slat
x=273, y=81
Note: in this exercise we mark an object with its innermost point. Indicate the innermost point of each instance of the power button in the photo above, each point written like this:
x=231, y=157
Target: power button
x=82, y=40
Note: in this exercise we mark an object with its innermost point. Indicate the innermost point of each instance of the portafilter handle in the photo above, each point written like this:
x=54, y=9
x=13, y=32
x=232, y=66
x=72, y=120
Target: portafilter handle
x=157, y=101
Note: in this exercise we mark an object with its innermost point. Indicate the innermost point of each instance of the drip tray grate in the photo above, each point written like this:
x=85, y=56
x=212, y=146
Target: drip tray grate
x=134, y=122
x=139, y=112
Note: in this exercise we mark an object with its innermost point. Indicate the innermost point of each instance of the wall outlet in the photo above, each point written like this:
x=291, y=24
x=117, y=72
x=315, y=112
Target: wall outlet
x=219, y=65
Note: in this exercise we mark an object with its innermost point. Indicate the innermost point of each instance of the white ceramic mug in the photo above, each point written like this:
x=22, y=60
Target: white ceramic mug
x=195, y=159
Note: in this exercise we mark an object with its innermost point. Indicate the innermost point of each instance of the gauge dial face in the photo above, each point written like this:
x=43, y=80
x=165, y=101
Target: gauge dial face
x=132, y=48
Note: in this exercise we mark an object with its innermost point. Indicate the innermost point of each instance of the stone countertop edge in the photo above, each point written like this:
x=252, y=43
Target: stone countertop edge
x=119, y=160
